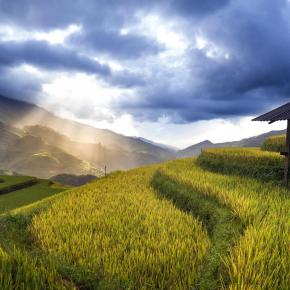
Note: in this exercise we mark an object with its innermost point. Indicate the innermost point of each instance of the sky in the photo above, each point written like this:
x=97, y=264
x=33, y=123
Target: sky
x=176, y=72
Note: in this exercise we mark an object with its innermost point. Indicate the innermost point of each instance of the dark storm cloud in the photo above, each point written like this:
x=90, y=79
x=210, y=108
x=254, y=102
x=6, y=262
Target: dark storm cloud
x=115, y=44
x=41, y=54
x=101, y=20
x=253, y=77
x=248, y=72
x=196, y=8
x=56, y=13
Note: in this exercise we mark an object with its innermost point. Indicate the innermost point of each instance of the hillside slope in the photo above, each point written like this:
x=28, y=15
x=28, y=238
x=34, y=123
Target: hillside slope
x=112, y=157
x=30, y=155
x=20, y=114
x=168, y=226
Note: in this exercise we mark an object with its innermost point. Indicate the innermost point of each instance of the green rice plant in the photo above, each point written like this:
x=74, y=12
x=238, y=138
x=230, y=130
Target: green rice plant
x=260, y=259
x=125, y=231
x=117, y=234
x=19, y=271
x=275, y=143
x=222, y=226
x=252, y=162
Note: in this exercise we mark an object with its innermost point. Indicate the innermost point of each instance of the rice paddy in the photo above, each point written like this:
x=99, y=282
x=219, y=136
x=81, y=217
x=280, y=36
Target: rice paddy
x=260, y=258
x=120, y=235
x=252, y=162
x=274, y=143
x=184, y=224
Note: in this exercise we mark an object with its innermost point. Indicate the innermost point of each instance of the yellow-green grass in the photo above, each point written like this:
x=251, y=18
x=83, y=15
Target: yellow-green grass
x=260, y=258
x=21, y=266
x=26, y=196
x=20, y=271
x=222, y=226
x=251, y=162
x=275, y=143
x=117, y=234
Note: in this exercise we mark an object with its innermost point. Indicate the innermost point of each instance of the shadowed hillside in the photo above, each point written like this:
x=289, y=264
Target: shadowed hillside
x=31, y=155
x=103, y=147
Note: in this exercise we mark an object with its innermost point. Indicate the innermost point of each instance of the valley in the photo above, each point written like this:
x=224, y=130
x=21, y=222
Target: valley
x=38, y=143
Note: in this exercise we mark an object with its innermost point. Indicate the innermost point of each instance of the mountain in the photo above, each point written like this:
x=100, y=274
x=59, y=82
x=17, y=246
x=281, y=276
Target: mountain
x=20, y=114
x=30, y=155
x=103, y=146
x=112, y=157
x=255, y=141
x=194, y=150
x=36, y=142
x=161, y=145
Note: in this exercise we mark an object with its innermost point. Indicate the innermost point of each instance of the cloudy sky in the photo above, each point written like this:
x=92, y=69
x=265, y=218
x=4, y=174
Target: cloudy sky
x=176, y=72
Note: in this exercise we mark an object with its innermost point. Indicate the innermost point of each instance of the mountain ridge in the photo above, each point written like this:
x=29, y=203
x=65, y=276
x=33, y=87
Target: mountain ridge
x=255, y=141
x=113, y=150
x=101, y=147
x=30, y=155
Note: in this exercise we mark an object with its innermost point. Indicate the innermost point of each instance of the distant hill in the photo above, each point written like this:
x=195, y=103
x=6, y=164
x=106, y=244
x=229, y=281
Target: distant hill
x=36, y=140
x=255, y=141
x=164, y=146
x=115, y=150
x=30, y=155
x=73, y=180
x=113, y=158
x=194, y=150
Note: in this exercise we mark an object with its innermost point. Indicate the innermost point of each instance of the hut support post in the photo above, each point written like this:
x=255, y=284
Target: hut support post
x=287, y=161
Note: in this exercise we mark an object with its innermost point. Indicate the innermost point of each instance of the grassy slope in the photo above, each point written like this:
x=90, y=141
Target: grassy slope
x=252, y=162
x=7, y=180
x=28, y=195
x=116, y=234
x=275, y=144
x=155, y=240
x=260, y=259
x=118, y=227
x=222, y=226
x=21, y=267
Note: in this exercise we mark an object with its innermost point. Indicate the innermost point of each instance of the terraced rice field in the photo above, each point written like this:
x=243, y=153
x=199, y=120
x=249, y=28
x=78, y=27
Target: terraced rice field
x=251, y=162
x=119, y=234
x=275, y=144
x=179, y=225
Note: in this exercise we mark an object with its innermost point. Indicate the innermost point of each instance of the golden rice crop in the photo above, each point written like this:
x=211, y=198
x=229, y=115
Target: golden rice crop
x=260, y=258
x=118, y=234
x=274, y=143
x=19, y=271
x=251, y=162
x=251, y=156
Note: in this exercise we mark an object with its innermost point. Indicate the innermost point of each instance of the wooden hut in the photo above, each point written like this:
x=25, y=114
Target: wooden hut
x=280, y=114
